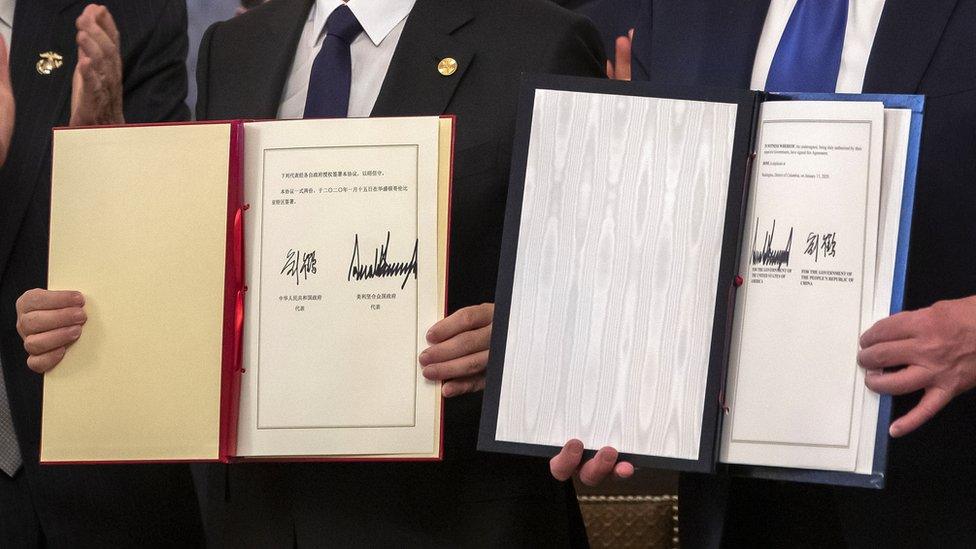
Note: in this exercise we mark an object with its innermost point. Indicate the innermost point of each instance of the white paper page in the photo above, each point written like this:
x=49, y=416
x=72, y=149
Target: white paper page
x=897, y=129
x=615, y=281
x=341, y=266
x=794, y=389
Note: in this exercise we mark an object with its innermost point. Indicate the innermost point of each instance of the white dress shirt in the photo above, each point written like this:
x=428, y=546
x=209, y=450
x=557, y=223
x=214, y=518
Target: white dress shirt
x=371, y=52
x=7, y=20
x=863, y=17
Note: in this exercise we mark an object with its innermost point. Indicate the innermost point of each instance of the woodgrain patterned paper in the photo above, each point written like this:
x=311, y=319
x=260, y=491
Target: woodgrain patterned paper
x=614, y=289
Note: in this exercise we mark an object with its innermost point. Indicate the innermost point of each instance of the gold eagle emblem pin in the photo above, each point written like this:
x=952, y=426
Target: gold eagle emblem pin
x=50, y=62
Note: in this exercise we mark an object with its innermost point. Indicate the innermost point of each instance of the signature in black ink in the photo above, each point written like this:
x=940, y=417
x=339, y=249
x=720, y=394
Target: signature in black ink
x=821, y=244
x=769, y=255
x=381, y=268
x=299, y=265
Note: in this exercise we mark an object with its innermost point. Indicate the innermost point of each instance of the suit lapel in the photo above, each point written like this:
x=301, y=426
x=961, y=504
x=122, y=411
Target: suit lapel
x=271, y=52
x=907, y=38
x=43, y=101
x=46, y=97
x=413, y=84
x=732, y=38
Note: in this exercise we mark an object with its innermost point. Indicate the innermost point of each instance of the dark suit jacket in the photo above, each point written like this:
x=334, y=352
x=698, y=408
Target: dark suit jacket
x=613, y=18
x=469, y=498
x=925, y=47
x=89, y=505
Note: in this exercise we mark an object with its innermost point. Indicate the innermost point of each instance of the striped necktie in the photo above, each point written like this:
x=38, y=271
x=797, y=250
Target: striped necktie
x=10, y=460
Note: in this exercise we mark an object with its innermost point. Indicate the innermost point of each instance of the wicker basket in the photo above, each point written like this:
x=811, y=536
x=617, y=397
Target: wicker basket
x=631, y=521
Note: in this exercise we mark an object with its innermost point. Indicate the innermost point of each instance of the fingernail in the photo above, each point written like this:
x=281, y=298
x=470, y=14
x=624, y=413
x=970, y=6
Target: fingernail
x=423, y=357
x=430, y=334
x=78, y=299
x=429, y=373
x=75, y=332
x=609, y=455
x=894, y=431
x=79, y=317
x=447, y=391
x=575, y=447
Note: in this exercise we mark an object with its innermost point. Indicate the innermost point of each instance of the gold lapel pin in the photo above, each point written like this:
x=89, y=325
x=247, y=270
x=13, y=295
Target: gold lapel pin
x=50, y=62
x=447, y=66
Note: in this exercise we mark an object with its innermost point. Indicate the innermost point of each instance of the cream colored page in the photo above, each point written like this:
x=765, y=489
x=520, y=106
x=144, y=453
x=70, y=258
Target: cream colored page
x=342, y=273
x=445, y=174
x=795, y=394
x=139, y=225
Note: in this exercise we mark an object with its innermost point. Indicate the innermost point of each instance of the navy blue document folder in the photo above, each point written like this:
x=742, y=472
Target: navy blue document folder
x=625, y=254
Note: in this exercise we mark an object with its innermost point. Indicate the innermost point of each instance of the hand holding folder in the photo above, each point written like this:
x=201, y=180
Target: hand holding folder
x=936, y=346
x=459, y=350
x=685, y=274
x=49, y=322
x=592, y=472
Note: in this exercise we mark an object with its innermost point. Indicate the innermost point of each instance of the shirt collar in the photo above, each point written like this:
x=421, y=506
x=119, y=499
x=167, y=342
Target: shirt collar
x=7, y=12
x=378, y=17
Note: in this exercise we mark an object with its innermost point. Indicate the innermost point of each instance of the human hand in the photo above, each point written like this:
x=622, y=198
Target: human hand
x=49, y=322
x=592, y=473
x=459, y=350
x=96, y=90
x=620, y=68
x=937, y=346
x=7, y=110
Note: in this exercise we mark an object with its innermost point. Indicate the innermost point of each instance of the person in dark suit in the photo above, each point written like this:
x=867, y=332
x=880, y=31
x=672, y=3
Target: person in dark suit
x=258, y=65
x=615, y=19
x=273, y=61
x=72, y=62
x=895, y=46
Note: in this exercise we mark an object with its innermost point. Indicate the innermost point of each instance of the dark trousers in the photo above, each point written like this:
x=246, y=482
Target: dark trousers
x=19, y=526
x=337, y=506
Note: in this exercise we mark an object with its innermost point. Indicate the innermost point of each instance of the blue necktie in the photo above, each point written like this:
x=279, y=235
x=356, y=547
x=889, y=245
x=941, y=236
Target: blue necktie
x=808, y=56
x=331, y=78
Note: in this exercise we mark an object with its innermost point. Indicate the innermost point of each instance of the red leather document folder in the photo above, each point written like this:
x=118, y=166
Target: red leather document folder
x=250, y=289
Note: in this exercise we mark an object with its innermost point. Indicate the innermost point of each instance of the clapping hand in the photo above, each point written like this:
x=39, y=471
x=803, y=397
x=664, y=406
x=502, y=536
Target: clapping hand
x=7, y=111
x=96, y=90
x=620, y=68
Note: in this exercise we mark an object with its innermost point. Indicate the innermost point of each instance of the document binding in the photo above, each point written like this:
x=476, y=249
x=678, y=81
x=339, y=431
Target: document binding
x=234, y=296
x=749, y=105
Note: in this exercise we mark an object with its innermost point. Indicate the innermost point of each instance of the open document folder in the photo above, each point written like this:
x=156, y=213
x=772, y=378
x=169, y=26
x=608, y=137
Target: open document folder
x=255, y=290
x=686, y=272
